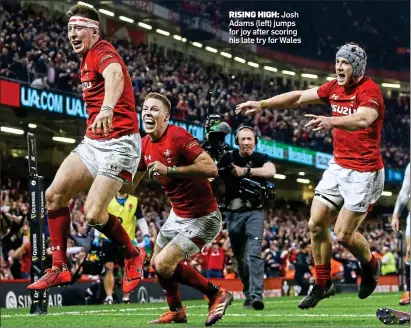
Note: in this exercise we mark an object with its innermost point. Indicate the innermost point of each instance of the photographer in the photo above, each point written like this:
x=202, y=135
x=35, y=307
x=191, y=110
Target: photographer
x=245, y=173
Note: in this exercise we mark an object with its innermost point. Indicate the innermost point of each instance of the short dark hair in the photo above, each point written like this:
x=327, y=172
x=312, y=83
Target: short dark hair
x=84, y=11
x=160, y=97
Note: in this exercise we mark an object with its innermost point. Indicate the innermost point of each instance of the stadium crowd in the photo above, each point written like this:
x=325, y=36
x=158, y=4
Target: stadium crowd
x=36, y=50
x=286, y=236
x=364, y=20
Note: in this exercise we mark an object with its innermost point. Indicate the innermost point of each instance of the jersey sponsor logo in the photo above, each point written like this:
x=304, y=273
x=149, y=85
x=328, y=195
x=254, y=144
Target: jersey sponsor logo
x=343, y=110
x=86, y=85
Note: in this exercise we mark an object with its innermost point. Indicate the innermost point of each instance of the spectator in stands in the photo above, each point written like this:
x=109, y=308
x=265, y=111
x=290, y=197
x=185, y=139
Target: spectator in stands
x=40, y=83
x=216, y=257
x=303, y=266
x=23, y=253
x=5, y=272
x=351, y=267
x=388, y=262
x=272, y=261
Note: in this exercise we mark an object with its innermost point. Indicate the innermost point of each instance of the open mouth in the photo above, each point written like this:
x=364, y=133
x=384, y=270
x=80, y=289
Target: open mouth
x=76, y=44
x=340, y=77
x=149, y=123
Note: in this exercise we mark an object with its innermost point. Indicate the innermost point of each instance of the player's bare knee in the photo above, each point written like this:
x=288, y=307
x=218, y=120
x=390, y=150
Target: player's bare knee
x=94, y=216
x=315, y=227
x=164, y=269
x=54, y=200
x=344, y=238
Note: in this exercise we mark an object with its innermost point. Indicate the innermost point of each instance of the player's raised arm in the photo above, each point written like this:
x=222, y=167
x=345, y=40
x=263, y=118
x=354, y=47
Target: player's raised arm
x=290, y=99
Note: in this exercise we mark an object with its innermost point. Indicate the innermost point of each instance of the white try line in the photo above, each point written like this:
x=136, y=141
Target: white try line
x=115, y=313
x=237, y=303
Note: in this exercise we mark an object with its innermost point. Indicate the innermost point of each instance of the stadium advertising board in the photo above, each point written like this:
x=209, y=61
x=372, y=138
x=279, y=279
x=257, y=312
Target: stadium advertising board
x=22, y=95
x=53, y=102
x=17, y=94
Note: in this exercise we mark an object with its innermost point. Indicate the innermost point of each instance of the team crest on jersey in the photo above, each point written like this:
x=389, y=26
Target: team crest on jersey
x=334, y=96
x=167, y=153
x=147, y=158
x=130, y=207
x=352, y=99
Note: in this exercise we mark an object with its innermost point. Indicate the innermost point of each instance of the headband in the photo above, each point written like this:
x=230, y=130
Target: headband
x=83, y=21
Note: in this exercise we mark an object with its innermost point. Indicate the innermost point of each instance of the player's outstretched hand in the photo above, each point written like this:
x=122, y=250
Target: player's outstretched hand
x=156, y=168
x=319, y=122
x=104, y=120
x=250, y=107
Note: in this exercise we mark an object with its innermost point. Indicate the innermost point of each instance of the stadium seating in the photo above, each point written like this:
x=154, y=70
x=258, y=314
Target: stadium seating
x=37, y=51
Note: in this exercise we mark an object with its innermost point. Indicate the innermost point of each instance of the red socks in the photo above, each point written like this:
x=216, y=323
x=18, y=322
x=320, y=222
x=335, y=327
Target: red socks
x=172, y=293
x=371, y=265
x=185, y=275
x=59, y=227
x=323, y=274
x=189, y=276
x=116, y=233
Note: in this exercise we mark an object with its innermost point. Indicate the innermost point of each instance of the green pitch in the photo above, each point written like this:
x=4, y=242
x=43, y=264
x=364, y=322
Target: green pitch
x=344, y=310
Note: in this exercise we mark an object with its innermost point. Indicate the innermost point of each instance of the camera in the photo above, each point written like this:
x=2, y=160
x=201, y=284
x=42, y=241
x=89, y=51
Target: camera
x=256, y=192
x=215, y=132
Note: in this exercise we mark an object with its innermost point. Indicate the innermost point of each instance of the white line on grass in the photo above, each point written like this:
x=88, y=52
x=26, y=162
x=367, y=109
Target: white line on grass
x=237, y=303
x=113, y=313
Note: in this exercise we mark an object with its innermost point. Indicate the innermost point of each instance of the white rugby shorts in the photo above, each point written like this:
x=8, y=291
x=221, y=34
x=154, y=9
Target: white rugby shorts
x=357, y=191
x=116, y=158
x=191, y=234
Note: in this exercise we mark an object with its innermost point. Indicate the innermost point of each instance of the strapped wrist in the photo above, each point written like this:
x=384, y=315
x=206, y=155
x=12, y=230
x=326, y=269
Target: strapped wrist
x=172, y=170
x=106, y=107
x=263, y=104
